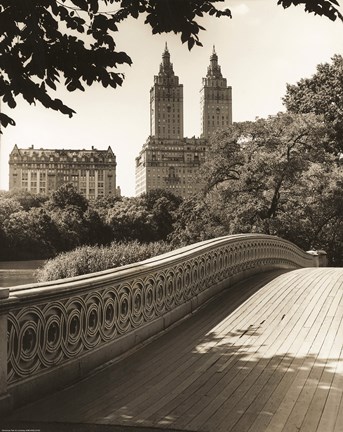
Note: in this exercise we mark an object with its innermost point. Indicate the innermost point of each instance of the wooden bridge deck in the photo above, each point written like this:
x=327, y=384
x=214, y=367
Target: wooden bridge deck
x=265, y=355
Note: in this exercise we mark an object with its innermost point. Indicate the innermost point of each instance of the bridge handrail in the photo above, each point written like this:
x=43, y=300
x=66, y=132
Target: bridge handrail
x=58, y=331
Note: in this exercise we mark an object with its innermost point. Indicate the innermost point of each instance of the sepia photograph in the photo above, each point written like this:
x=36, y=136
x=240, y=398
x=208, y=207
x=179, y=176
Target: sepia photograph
x=171, y=216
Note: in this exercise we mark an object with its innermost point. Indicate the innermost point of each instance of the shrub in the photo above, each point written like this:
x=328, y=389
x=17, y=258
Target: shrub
x=90, y=259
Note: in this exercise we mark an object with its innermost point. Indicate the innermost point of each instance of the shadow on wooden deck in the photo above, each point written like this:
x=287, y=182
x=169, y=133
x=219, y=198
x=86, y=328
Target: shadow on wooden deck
x=266, y=355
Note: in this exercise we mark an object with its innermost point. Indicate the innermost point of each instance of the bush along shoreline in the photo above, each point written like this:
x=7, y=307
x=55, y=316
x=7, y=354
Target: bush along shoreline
x=91, y=259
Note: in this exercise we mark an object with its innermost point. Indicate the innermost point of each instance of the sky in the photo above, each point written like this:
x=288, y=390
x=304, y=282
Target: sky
x=260, y=49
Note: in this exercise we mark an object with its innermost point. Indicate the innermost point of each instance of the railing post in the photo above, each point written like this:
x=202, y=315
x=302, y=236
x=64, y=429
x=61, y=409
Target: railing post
x=322, y=258
x=319, y=258
x=5, y=400
x=315, y=257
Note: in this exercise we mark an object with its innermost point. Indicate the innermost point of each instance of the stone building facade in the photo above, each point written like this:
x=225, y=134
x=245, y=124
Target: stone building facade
x=92, y=172
x=168, y=160
x=170, y=164
x=215, y=100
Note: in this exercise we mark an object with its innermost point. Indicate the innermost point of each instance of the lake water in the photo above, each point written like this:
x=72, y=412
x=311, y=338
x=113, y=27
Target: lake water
x=14, y=273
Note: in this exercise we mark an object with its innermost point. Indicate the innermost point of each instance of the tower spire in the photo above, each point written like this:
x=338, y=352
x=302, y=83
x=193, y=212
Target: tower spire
x=214, y=69
x=166, y=101
x=166, y=68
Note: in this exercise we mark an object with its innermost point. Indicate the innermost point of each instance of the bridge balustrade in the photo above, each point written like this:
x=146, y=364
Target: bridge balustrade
x=54, y=333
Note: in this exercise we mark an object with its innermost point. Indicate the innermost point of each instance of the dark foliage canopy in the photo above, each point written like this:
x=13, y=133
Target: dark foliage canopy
x=72, y=42
x=322, y=94
x=328, y=8
x=270, y=176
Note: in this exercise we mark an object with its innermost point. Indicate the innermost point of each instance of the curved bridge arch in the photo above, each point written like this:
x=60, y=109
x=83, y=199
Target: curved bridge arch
x=59, y=331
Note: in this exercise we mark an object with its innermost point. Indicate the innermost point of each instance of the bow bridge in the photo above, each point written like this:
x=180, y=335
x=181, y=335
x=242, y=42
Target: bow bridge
x=260, y=350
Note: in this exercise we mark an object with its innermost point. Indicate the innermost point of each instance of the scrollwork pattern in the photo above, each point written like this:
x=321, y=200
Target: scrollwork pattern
x=49, y=333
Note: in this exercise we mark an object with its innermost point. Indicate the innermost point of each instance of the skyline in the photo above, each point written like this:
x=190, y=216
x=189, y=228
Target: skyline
x=260, y=49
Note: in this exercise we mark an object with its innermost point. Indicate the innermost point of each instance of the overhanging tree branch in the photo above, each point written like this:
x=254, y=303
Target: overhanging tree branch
x=71, y=42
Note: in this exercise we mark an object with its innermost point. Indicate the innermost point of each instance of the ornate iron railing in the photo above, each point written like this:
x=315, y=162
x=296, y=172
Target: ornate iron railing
x=79, y=321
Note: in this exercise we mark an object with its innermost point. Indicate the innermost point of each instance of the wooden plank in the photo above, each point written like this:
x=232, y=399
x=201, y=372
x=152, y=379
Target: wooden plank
x=296, y=355
x=184, y=417
x=323, y=410
x=152, y=403
x=246, y=395
x=263, y=356
x=217, y=399
x=339, y=419
x=204, y=389
x=320, y=367
x=283, y=420
x=257, y=406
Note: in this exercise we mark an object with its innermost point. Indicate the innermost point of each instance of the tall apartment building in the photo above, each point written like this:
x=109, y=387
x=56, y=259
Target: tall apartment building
x=166, y=102
x=168, y=160
x=170, y=164
x=92, y=172
x=215, y=100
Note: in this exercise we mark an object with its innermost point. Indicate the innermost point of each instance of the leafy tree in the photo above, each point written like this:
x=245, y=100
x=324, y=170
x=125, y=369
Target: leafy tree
x=198, y=218
x=162, y=205
x=45, y=42
x=311, y=215
x=283, y=182
x=146, y=218
x=27, y=199
x=72, y=230
x=97, y=231
x=29, y=234
x=130, y=220
x=102, y=205
x=258, y=160
x=68, y=209
x=226, y=158
x=321, y=94
x=32, y=227
x=105, y=202
x=152, y=197
x=328, y=8
x=7, y=207
x=66, y=196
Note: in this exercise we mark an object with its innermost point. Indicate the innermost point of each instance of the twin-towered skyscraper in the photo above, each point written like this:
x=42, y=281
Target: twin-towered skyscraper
x=216, y=100
x=168, y=160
